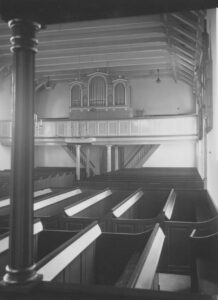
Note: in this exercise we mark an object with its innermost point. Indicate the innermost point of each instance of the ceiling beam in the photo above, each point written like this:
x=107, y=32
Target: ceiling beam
x=184, y=19
x=79, y=10
x=171, y=48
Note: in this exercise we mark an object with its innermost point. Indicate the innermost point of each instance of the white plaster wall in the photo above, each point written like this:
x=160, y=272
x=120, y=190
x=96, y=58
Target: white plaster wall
x=212, y=138
x=5, y=98
x=52, y=156
x=5, y=157
x=53, y=103
x=167, y=97
x=56, y=156
x=172, y=155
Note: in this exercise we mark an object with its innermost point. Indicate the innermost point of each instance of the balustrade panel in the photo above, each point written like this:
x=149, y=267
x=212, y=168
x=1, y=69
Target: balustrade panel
x=102, y=128
x=171, y=126
x=113, y=128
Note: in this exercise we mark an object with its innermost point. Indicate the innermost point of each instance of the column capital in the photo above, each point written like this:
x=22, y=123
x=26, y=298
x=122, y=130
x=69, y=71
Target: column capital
x=23, y=34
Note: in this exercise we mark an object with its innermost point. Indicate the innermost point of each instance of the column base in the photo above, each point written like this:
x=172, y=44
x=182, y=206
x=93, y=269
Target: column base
x=27, y=276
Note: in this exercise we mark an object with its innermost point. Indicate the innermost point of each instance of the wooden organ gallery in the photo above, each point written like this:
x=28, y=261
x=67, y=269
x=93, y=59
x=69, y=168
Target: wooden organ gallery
x=108, y=143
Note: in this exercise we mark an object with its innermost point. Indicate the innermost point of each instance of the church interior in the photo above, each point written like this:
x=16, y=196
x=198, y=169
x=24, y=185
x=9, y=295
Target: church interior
x=108, y=150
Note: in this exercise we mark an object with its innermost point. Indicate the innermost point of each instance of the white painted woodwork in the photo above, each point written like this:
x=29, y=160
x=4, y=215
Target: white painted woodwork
x=6, y=202
x=42, y=192
x=153, y=251
x=126, y=204
x=169, y=205
x=55, y=199
x=146, y=127
x=77, y=207
x=51, y=269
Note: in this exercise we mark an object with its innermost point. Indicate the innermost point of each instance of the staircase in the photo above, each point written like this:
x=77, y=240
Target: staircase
x=138, y=158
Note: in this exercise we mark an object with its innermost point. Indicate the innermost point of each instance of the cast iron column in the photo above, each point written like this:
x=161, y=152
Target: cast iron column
x=116, y=158
x=78, y=162
x=109, y=158
x=88, y=161
x=21, y=268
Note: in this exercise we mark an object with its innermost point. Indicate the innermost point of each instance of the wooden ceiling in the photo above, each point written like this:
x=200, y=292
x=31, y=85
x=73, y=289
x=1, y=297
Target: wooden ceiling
x=133, y=47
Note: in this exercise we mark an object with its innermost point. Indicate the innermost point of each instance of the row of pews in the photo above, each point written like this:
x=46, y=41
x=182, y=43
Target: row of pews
x=44, y=177
x=114, y=243
x=157, y=178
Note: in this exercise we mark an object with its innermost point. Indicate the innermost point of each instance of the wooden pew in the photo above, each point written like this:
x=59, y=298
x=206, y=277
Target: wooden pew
x=80, y=213
x=56, y=261
x=143, y=274
x=81, y=259
x=193, y=206
x=84, y=212
x=79, y=206
x=54, y=177
x=6, y=201
x=127, y=205
x=45, y=205
x=169, y=205
x=204, y=249
x=99, y=211
x=73, y=257
x=177, y=247
x=142, y=211
x=4, y=244
x=62, y=197
x=156, y=178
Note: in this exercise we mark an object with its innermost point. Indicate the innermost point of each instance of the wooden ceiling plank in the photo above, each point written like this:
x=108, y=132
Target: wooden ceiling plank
x=185, y=20
x=186, y=75
x=184, y=49
x=88, y=34
x=186, y=70
x=104, y=50
x=116, y=42
x=183, y=41
x=182, y=65
x=124, y=22
x=190, y=62
x=55, y=68
x=108, y=57
x=185, y=80
x=102, y=40
x=178, y=31
x=88, y=60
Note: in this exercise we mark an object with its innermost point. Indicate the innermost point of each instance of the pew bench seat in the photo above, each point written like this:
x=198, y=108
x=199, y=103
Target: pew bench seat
x=207, y=276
